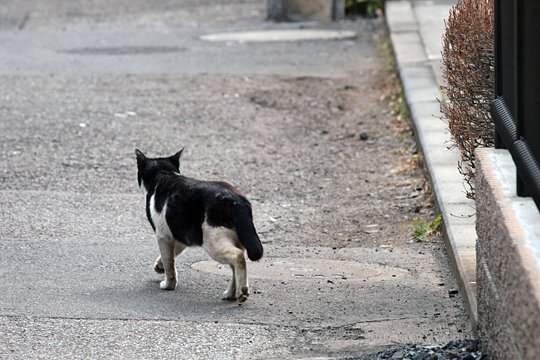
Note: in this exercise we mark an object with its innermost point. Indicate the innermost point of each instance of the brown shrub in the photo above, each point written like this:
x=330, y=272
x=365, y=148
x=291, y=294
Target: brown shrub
x=468, y=69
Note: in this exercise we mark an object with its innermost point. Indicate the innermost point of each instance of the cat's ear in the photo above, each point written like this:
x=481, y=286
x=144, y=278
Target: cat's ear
x=176, y=158
x=140, y=156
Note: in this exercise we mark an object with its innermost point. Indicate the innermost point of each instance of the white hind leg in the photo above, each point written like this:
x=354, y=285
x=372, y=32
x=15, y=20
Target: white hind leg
x=223, y=246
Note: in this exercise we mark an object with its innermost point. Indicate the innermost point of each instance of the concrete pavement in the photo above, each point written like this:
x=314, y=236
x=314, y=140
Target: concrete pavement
x=82, y=86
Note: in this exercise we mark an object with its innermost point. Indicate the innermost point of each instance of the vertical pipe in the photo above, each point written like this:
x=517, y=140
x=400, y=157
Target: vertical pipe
x=499, y=144
x=338, y=9
x=519, y=31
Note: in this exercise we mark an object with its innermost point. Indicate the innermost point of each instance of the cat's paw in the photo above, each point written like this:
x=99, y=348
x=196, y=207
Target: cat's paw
x=158, y=267
x=243, y=294
x=167, y=284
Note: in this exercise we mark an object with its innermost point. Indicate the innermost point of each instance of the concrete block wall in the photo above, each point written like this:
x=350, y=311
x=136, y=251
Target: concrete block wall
x=508, y=261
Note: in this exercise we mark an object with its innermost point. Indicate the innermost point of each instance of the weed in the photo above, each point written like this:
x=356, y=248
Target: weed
x=384, y=47
x=393, y=92
x=436, y=224
x=401, y=107
x=423, y=229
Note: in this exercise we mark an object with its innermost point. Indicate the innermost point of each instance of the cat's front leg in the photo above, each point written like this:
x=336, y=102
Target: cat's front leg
x=158, y=265
x=166, y=248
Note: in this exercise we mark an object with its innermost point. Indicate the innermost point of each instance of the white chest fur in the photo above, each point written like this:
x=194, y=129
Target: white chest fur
x=159, y=220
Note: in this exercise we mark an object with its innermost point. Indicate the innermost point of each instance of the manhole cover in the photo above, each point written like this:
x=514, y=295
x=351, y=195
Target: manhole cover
x=308, y=269
x=281, y=35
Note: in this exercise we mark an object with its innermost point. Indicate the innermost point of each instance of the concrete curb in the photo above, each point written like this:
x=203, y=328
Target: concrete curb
x=421, y=88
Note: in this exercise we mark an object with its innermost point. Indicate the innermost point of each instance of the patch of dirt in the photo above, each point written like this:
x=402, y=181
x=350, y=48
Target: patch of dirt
x=347, y=172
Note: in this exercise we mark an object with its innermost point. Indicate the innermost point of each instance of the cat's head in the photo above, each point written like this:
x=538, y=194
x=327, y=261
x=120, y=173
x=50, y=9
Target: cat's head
x=147, y=167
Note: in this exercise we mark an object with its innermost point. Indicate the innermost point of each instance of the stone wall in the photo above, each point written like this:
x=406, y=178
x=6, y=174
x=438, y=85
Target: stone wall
x=508, y=261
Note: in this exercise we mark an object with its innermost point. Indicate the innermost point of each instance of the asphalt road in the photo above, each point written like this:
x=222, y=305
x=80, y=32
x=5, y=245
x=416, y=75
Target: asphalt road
x=82, y=84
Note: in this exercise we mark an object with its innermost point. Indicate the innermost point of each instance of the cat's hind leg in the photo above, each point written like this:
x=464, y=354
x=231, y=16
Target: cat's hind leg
x=178, y=248
x=223, y=246
x=167, y=250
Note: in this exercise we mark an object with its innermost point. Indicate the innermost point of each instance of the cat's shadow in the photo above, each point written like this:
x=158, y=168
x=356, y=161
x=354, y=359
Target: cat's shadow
x=183, y=297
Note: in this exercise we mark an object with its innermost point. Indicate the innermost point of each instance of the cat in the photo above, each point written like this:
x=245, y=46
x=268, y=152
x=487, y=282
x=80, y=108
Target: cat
x=185, y=212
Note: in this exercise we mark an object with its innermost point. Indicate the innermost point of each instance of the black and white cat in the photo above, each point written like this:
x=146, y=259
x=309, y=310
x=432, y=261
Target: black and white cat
x=188, y=212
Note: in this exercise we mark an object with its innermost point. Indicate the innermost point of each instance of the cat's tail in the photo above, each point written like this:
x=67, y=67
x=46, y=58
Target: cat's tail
x=243, y=222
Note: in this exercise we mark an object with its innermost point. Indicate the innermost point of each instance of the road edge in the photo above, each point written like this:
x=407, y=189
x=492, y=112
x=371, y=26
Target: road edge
x=422, y=91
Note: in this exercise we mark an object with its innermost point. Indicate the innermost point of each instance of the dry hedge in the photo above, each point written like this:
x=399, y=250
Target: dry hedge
x=468, y=68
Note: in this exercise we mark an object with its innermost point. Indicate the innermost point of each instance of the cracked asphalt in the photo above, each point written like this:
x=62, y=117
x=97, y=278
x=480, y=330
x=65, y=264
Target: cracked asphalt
x=306, y=129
